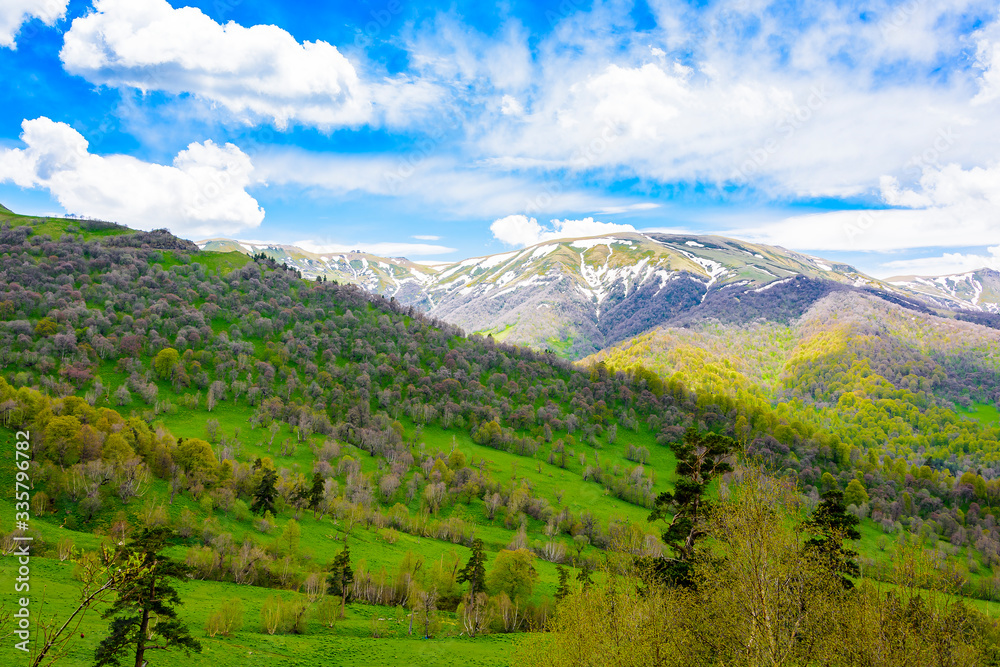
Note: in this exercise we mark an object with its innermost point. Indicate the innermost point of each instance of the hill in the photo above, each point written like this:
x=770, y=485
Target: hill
x=163, y=385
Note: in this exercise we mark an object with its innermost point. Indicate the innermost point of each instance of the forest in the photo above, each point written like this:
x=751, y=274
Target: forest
x=309, y=461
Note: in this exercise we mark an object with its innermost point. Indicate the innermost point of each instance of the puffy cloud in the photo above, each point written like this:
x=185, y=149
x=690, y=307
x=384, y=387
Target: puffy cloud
x=256, y=72
x=15, y=12
x=520, y=230
x=201, y=194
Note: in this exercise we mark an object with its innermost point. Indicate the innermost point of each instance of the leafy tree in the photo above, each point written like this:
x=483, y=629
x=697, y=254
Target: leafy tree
x=474, y=572
x=341, y=577
x=195, y=455
x=165, y=361
x=146, y=597
x=701, y=457
x=513, y=573
x=62, y=439
x=855, y=493
x=832, y=524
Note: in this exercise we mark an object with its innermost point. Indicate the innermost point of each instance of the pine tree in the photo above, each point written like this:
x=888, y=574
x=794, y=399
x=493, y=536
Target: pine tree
x=341, y=577
x=316, y=494
x=264, y=494
x=701, y=457
x=584, y=576
x=563, y=588
x=147, y=596
x=474, y=572
x=832, y=524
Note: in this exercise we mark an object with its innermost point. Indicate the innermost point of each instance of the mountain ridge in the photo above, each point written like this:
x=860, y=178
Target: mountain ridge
x=578, y=295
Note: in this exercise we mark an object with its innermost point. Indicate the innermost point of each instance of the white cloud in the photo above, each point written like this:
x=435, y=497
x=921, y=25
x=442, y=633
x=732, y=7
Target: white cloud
x=379, y=248
x=520, y=230
x=426, y=237
x=949, y=207
x=464, y=189
x=201, y=194
x=260, y=72
x=988, y=60
x=944, y=265
x=15, y=12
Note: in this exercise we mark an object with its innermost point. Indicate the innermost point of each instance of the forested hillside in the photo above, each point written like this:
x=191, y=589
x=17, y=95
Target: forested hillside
x=289, y=433
x=899, y=405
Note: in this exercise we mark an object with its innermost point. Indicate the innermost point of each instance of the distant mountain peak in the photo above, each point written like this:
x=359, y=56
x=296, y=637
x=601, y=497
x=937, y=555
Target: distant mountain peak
x=579, y=295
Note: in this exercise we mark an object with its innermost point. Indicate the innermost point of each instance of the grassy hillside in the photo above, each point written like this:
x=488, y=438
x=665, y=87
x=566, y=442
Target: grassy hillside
x=160, y=383
x=164, y=385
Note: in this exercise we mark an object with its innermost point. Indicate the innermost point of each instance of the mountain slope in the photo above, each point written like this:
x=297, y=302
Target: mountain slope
x=977, y=291
x=392, y=277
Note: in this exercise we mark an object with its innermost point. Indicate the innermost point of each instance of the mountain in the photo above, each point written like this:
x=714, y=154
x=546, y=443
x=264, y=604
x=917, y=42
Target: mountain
x=977, y=291
x=164, y=385
x=577, y=296
x=392, y=277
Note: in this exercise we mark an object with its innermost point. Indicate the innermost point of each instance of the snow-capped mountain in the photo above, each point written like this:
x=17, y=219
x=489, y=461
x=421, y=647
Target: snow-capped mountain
x=579, y=295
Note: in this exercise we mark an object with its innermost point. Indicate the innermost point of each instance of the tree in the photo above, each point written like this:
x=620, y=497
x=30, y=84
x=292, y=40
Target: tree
x=164, y=363
x=701, y=457
x=101, y=575
x=316, y=494
x=474, y=572
x=195, y=455
x=855, y=494
x=264, y=494
x=143, y=598
x=563, y=589
x=832, y=524
x=513, y=573
x=62, y=439
x=341, y=578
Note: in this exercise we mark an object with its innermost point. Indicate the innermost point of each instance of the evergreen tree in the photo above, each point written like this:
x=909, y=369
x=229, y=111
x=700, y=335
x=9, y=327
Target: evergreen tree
x=832, y=524
x=316, y=494
x=584, y=576
x=341, y=577
x=264, y=494
x=701, y=457
x=474, y=572
x=563, y=589
x=143, y=598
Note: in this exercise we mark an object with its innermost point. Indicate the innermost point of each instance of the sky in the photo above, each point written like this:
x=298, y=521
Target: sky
x=864, y=132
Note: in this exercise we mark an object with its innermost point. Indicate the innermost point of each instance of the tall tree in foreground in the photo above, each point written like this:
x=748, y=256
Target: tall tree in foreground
x=701, y=457
x=831, y=523
x=341, y=577
x=142, y=599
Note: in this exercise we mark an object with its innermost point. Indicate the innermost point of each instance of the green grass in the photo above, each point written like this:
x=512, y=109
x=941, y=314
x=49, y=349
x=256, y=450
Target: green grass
x=349, y=643
x=56, y=227
x=984, y=413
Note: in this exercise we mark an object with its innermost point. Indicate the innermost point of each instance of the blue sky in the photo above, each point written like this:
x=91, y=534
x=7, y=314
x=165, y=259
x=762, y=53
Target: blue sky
x=865, y=132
